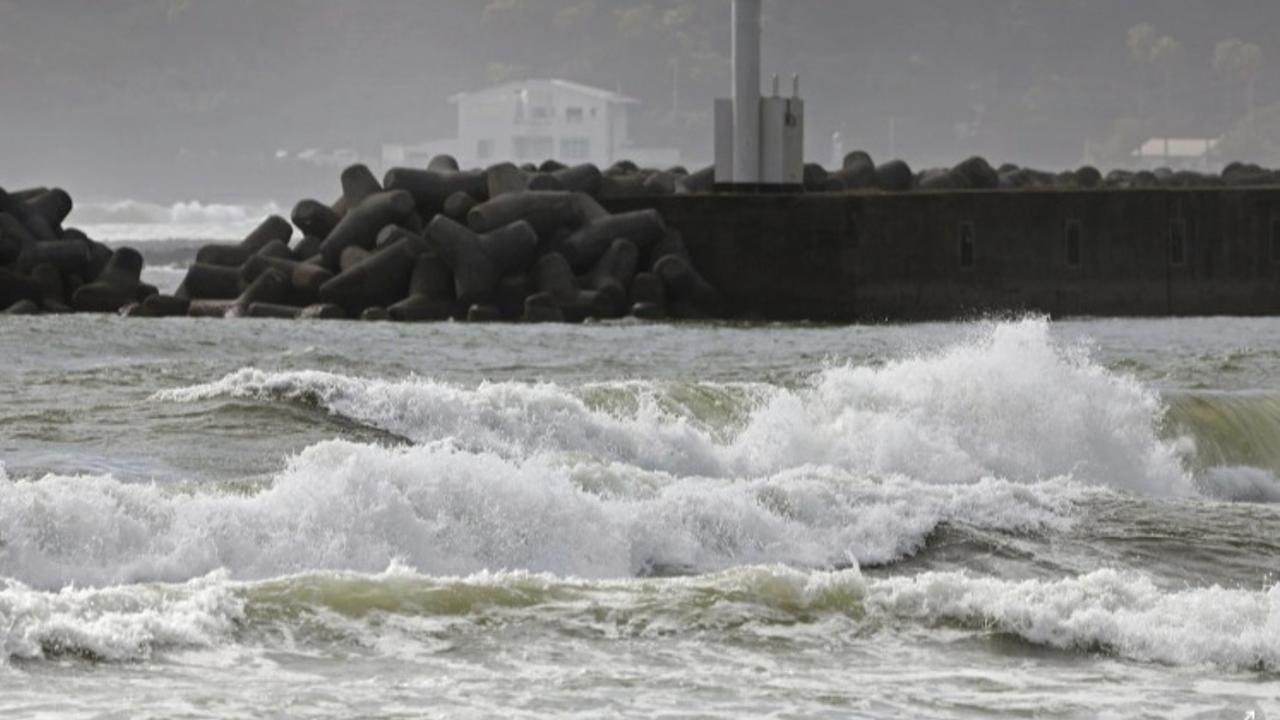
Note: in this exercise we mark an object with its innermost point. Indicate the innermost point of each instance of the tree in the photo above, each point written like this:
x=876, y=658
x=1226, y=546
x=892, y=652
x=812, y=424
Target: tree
x=1151, y=49
x=1116, y=148
x=1239, y=63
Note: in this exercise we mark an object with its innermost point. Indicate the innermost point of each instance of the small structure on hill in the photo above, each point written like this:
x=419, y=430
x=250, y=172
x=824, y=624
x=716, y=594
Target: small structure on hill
x=534, y=120
x=1187, y=153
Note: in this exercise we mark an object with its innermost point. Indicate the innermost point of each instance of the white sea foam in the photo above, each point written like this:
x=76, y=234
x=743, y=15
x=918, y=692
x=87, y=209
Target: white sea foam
x=521, y=485
x=1012, y=403
x=1120, y=612
x=446, y=511
x=513, y=420
x=120, y=623
x=860, y=465
x=1241, y=484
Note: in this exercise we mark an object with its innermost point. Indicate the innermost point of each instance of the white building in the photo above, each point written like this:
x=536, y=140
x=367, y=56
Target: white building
x=536, y=120
x=1177, y=153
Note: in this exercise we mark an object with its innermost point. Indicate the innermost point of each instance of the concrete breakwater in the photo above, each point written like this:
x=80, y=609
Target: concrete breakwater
x=866, y=242
x=963, y=253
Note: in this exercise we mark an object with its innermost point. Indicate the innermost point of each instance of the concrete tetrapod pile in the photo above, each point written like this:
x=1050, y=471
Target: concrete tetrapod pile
x=502, y=244
x=859, y=173
x=45, y=267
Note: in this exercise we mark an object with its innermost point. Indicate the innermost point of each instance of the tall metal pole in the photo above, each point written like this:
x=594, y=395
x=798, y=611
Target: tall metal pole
x=746, y=91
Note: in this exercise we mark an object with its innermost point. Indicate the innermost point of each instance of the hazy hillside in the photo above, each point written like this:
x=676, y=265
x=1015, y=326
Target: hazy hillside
x=181, y=98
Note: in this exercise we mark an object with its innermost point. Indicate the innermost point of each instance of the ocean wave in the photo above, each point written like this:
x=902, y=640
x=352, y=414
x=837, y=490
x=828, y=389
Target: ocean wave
x=129, y=623
x=1123, y=613
x=765, y=592
x=1240, y=484
x=1107, y=611
x=1229, y=429
x=512, y=420
x=1009, y=403
x=442, y=510
x=115, y=624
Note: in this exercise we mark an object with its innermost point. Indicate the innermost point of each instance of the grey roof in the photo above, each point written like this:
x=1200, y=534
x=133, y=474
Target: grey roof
x=553, y=82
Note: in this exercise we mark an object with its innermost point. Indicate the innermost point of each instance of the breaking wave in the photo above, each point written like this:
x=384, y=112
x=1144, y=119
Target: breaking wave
x=645, y=507
x=446, y=511
x=1235, y=442
x=859, y=465
x=1107, y=611
x=1010, y=404
x=1124, y=613
x=115, y=624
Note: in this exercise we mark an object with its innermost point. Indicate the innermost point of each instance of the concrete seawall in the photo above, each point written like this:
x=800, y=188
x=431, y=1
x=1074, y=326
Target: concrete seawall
x=941, y=255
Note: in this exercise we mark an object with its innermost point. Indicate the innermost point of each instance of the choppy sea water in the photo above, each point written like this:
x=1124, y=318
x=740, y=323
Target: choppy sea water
x=280, y=519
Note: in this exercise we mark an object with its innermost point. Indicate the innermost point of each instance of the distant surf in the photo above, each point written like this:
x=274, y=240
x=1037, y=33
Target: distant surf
x=191, y=222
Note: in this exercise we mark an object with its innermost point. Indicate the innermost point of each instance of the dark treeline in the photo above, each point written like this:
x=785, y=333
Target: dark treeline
x=168, y=97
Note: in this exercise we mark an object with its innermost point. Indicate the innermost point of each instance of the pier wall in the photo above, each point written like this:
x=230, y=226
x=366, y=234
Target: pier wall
x=955, y=254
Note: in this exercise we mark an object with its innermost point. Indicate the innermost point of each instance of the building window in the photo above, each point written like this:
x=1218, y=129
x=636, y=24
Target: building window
x=484, y=150
x=968, y=249
x=1275, y=240
x=1178, y=241
x=534, y=148
x=575, y=148
x=573, y=116
x=541, y=105
x=1073, y=243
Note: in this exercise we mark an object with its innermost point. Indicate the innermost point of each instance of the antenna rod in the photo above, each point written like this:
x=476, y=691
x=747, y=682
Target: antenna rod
x=746, y=91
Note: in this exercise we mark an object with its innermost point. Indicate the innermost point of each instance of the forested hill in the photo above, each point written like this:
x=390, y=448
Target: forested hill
x=116, y=92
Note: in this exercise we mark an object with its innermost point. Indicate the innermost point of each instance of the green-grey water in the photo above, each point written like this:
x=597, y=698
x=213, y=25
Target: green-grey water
x=275, y=519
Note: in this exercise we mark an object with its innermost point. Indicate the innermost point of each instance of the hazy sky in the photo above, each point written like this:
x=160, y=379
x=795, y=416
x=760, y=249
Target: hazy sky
x=174, y=99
